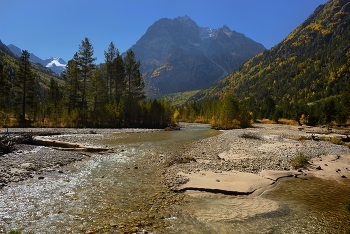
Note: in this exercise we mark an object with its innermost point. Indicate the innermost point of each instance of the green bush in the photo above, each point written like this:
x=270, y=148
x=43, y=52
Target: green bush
x=300, y=160
x=337, y=141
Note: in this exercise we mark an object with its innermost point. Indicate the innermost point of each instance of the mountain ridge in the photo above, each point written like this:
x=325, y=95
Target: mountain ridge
x=311, y=65
x=178, y=55
x=56, y=64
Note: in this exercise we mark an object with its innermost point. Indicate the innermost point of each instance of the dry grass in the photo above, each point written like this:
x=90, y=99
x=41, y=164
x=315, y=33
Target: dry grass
x=337, y=141
x=265, y=121
x=300, y=160
x=288, y=122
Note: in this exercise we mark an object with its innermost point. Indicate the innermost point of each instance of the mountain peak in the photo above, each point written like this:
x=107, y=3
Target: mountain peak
x=184, y=18
x=177, y=55
x=186, y=21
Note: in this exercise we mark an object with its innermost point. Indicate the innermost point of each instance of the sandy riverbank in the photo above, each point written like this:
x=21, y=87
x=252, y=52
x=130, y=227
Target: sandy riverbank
x=250, y=161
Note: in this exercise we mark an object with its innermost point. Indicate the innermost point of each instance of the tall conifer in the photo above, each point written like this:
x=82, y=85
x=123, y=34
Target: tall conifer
x=135, y=83
x=24, y=83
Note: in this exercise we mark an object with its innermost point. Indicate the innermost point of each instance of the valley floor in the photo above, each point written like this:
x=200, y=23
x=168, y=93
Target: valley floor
x=251, y=161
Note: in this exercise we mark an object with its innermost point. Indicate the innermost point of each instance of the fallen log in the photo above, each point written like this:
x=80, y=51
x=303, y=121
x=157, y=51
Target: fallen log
x=61, y=145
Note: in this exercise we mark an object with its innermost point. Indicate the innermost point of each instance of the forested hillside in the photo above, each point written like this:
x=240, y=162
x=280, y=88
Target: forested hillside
x=87, y=95
x=10, y=104
x=305, y=77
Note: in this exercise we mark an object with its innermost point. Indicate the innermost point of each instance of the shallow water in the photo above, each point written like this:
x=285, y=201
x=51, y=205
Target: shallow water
x=305, y=206
x=121, y=192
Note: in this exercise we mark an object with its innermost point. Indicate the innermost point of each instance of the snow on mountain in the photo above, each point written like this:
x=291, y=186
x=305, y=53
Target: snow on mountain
x=56, y=64
x=59, y=62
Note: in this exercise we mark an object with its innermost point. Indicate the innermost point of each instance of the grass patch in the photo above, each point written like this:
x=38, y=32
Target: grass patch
x=337, y=141
x=15, y=232
x=300, y=160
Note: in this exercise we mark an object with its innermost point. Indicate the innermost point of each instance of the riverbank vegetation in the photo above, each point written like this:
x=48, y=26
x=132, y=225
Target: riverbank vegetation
x=88, y=95
x=228, y=113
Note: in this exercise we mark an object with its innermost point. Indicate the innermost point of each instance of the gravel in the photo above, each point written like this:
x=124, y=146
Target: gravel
x=264, y=147
x=28, y=161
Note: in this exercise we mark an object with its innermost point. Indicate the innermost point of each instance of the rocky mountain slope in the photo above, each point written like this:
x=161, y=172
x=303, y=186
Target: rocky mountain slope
x=57, y=65
x=177, y=55
x=311, y=64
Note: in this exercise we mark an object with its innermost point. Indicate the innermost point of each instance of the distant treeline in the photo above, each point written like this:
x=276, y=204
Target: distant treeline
x=231, y=112
x=106, y=95
x=227, y=113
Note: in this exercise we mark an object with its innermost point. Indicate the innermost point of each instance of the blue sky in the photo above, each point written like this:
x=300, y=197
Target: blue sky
x=56, y=28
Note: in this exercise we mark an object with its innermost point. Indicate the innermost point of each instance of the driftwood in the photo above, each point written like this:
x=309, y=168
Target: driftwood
x=9, y=140
x=61, y=145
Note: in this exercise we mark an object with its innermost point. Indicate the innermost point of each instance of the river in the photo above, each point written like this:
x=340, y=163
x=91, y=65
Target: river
x=122, y=192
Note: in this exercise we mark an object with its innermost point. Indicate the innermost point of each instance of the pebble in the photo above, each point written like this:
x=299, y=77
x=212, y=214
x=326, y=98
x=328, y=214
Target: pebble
x=253, y=154
x=35, y=160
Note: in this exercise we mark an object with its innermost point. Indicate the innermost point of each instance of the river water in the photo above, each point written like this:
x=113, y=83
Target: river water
x=121, y=192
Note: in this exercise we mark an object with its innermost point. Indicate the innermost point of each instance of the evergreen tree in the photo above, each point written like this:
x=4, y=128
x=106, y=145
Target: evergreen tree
x=24, y=84
x=86, y=67
x=54, y=96
x=135, y=83
x=72, y=84
x=97, y=91
x=5, y=88
x=119, y=78
x=110, y=56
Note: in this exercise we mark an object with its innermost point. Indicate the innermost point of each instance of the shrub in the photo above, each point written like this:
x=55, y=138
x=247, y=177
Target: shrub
x=300, y=160
x=337, y=141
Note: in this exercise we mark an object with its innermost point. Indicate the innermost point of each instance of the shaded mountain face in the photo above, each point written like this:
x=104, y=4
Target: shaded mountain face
x=57, y=65
x=177, y=55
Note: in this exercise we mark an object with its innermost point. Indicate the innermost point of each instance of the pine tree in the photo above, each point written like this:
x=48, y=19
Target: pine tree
x=110, y=55
x=135, y=83
x=119, y=79
x=25, y=81
x=86, y=65
x=97, y=91
x=5, y=88
x=54, y=95
x=72, y=84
